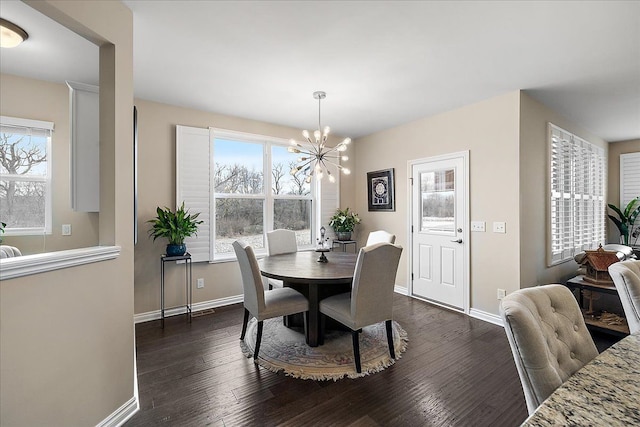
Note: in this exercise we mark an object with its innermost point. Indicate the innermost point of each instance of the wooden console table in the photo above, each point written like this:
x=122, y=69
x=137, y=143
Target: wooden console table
x=579, y=283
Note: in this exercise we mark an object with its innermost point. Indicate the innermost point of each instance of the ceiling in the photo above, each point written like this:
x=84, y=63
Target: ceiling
x=381, y=63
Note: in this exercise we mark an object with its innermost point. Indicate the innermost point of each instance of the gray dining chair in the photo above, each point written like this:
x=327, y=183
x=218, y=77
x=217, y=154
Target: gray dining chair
x=280, y=241
x=626, y=277
x=380, y=236
x=263, y=304
x=371, y=298
x=548, y=338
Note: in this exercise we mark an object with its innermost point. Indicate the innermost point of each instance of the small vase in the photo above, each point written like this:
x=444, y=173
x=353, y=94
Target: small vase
x=343, y=235
x=176, y=250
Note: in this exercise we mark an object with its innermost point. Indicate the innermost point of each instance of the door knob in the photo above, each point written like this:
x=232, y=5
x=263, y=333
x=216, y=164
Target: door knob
x=457, y=241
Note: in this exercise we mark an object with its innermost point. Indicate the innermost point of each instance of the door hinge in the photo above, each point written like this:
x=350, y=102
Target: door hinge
x=411, y=180
x=412, y=277
x=412, y=228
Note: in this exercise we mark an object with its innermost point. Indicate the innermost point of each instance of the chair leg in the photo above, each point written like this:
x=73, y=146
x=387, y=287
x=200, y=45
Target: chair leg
x=258, y=339
x=244, y=323
x=323, y=327
x=356, y=349
x=390, y=338
x=270, y=287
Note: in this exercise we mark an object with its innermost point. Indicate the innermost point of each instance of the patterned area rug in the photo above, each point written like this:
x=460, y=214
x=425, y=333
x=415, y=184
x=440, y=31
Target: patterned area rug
x=284, y=349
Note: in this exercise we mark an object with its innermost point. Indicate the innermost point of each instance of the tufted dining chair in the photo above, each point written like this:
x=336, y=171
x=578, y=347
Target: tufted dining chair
x=380, y=236
x=371, y=298
x=7, y=251
x=626, y=277
x=548, y=338
x=263, y=304
x=280, y=241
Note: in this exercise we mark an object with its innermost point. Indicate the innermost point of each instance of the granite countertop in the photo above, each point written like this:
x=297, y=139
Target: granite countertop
x=605, y=392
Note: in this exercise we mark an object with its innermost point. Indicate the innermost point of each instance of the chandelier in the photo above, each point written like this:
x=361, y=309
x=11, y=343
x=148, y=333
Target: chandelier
x=317, y=156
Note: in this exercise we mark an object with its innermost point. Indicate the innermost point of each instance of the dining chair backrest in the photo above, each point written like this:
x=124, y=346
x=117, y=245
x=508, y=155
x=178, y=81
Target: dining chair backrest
x=380, y=236
x=548, y=338
x=373, y=283
x=281, y=241
x=9, y=251
x=251, y=279
x=626, y=277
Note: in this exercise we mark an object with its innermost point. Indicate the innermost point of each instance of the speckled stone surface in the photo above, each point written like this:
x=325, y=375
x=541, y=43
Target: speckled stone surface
x=605, y=392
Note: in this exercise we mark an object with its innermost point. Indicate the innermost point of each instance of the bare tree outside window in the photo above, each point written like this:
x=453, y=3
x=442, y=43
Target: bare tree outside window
x=23, y=179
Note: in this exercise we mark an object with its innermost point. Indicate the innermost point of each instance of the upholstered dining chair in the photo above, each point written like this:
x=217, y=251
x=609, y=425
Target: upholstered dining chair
x=626, y=277
x=263, y=304
x=371, y=298
x=280, y=241
x=380, y=236
x=7, y=251
x=548, y=338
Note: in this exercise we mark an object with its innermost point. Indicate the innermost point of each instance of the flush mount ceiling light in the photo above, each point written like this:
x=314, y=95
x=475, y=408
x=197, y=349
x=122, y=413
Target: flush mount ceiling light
x=318, y=155
x=10, y=34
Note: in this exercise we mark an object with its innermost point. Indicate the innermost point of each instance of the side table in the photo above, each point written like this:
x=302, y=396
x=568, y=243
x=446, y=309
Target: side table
x=187, y=277
x=580, y=284
x=344, y=244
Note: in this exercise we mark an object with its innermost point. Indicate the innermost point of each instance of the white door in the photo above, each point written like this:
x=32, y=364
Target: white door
x=439, y=230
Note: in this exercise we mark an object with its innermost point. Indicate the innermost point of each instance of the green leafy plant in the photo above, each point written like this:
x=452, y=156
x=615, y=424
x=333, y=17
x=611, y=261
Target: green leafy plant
x=2, y=226
x=344, y=220
x=626, y=218
x=174, y=226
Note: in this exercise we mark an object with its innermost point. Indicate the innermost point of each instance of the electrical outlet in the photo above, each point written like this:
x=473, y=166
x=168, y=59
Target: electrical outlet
x=66, y=229
x=499, y=227
x=200, y=283
x=477, y=226
x=501, y=293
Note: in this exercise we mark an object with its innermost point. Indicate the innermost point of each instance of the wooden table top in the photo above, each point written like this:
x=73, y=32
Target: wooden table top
x=302, y=267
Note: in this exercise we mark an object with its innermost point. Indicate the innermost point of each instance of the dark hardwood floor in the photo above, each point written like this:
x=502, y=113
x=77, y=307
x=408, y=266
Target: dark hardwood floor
x=457, y=371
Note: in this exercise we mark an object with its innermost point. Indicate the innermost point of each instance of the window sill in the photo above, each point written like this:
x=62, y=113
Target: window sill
x=10, y=268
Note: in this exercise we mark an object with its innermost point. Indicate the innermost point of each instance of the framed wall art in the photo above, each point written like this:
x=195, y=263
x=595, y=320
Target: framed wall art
x=380, y=190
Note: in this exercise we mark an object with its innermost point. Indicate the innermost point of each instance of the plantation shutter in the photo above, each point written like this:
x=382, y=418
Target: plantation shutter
x=193, y=163
x=328, y=202
x=629, y=177
x=577, y=178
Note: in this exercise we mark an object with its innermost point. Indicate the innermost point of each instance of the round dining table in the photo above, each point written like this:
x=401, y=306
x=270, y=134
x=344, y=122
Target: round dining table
x=316, y=280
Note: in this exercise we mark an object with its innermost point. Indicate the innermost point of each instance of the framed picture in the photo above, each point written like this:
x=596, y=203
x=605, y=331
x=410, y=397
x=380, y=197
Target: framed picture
x=380, y=189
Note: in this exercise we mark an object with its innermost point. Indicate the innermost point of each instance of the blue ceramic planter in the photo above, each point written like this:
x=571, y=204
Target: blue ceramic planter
x=176, y=250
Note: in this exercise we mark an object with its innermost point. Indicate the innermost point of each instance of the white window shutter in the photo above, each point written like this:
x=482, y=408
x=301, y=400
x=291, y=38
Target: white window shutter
x=629, y=177
x=328, y=202
x=193, y=162
x=577, y=180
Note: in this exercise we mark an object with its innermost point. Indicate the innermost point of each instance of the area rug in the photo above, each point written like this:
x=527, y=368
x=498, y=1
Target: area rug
x=284, y=350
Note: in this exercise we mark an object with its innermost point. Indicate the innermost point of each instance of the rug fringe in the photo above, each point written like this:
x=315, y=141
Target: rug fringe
x=367, y=369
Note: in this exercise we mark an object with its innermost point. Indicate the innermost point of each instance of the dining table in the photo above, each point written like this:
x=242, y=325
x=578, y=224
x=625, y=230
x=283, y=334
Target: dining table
x=606, y=391
x=316, y=280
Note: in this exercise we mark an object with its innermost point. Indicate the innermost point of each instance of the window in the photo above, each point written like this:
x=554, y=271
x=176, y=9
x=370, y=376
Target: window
x=577, y=205
x=25, y=176
x=241, y=184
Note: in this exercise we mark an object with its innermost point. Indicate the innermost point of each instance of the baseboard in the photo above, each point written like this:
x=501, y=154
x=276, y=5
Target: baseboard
x=487, y=317
x=195, y=307
x=122, y=414
x=401, y=290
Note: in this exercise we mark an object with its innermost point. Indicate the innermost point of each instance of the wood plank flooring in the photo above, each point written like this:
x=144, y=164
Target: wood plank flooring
x=457, y=371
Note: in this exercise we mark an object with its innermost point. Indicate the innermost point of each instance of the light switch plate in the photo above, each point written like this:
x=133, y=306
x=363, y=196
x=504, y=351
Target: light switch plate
x=66, y=229
x=499, y=227
x=477, y=226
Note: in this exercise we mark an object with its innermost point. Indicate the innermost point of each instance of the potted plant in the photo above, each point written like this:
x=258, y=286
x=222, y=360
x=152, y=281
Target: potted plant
x=175, y=226
x=343, y=222
x=626, y=218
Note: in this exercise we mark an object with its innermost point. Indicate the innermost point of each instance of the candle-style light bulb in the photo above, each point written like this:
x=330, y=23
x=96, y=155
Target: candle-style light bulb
x=346, y=171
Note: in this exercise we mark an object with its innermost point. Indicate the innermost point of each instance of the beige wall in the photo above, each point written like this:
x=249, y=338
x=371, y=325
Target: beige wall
x=67, y=342
x=613, y=188
x=533, y=192
x=39, y=100
x=489, y=130
x=156, y=187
